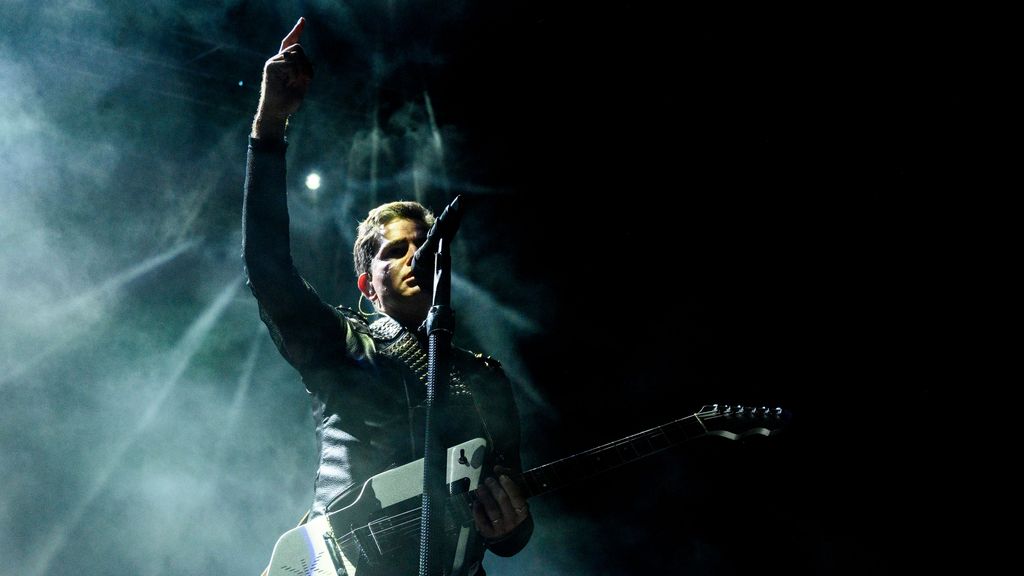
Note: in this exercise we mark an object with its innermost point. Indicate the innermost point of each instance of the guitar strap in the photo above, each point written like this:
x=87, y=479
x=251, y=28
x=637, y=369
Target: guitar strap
x=408, y=349
x=403, y=346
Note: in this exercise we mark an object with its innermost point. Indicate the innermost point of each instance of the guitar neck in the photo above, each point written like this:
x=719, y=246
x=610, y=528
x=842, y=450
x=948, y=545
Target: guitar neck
x=562, y=472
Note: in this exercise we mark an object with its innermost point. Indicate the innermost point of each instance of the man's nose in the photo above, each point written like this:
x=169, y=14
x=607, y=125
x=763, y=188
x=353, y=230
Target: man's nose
x=409, y=256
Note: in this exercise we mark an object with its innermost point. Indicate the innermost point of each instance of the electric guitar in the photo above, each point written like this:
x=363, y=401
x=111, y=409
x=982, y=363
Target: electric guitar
x=378, y=533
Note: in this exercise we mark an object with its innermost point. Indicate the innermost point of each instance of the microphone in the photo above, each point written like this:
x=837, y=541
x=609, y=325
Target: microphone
x=445, y=226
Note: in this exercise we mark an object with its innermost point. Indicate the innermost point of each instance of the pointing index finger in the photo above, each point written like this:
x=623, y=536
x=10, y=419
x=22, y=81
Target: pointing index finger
x=293, y=36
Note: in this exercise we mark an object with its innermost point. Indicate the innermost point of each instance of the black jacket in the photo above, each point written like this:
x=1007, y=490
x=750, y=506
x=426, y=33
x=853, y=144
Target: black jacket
x=366, y=401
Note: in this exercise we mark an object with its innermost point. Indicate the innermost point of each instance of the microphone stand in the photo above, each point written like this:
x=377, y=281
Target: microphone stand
x=440, y=328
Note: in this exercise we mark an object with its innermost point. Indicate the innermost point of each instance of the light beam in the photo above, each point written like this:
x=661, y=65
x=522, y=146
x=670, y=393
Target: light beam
x=178, y=361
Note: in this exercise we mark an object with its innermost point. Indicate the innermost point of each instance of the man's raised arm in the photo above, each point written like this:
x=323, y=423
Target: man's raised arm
x=301, y=324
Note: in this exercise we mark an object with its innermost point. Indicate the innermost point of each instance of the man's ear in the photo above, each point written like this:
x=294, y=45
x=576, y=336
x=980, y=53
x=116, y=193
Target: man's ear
x=363, y=282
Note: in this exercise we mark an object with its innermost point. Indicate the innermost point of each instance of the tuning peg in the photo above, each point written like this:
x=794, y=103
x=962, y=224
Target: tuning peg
x=778, y=411
x=740, y=411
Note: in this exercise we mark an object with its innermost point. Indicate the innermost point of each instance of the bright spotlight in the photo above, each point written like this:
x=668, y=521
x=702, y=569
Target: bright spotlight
x=313, y=181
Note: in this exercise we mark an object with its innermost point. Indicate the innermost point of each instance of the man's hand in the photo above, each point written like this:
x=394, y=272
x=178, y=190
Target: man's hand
x=499, y=506
x=286, y=77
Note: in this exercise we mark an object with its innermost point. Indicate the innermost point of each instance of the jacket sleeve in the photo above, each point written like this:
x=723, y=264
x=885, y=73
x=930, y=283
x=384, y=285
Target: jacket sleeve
x=306, y=330
x=497, y=406
x=514, y=541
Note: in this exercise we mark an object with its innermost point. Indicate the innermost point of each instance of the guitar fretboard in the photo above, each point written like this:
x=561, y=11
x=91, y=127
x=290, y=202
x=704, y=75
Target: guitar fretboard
x=597, y=460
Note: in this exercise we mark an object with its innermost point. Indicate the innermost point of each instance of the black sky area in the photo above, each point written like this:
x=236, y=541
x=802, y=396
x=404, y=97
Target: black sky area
x=693, y=206
x=728, y=207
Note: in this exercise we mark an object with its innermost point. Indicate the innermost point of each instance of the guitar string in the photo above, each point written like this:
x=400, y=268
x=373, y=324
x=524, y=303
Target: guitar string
x=410, y=526
x=412, y=516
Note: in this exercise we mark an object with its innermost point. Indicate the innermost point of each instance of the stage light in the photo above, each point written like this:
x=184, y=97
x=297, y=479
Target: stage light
x=313, y=181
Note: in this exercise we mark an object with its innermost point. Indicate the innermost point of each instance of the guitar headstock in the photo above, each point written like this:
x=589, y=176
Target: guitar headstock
x=735, y=421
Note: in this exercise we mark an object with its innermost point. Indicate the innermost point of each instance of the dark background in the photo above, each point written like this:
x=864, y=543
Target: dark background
x=668, y=207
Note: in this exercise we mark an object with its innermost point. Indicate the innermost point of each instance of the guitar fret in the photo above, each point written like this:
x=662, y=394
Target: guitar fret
x=553, y=475
x=556, y=474
x=560, y=472
x=542, y=479
x=613, y=458
x=577, y=468
x=642, y=446
x=542, y=483
x=692, y=427
x=549, y=479
x=675, y=432
x=658, y=440
x=553, y=479
x=532, y=485
x=628, y=452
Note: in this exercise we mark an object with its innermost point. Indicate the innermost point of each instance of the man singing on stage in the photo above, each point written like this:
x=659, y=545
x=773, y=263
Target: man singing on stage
x=367, y=378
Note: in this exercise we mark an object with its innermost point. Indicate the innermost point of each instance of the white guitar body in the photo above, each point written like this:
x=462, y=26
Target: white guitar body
x=378, y=533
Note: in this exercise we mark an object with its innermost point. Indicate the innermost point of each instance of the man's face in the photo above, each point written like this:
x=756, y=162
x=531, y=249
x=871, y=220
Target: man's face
x=391, y=285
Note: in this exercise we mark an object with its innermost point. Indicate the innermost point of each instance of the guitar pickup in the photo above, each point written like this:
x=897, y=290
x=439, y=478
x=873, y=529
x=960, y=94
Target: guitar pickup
x=334, y=553
x=460, y=511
